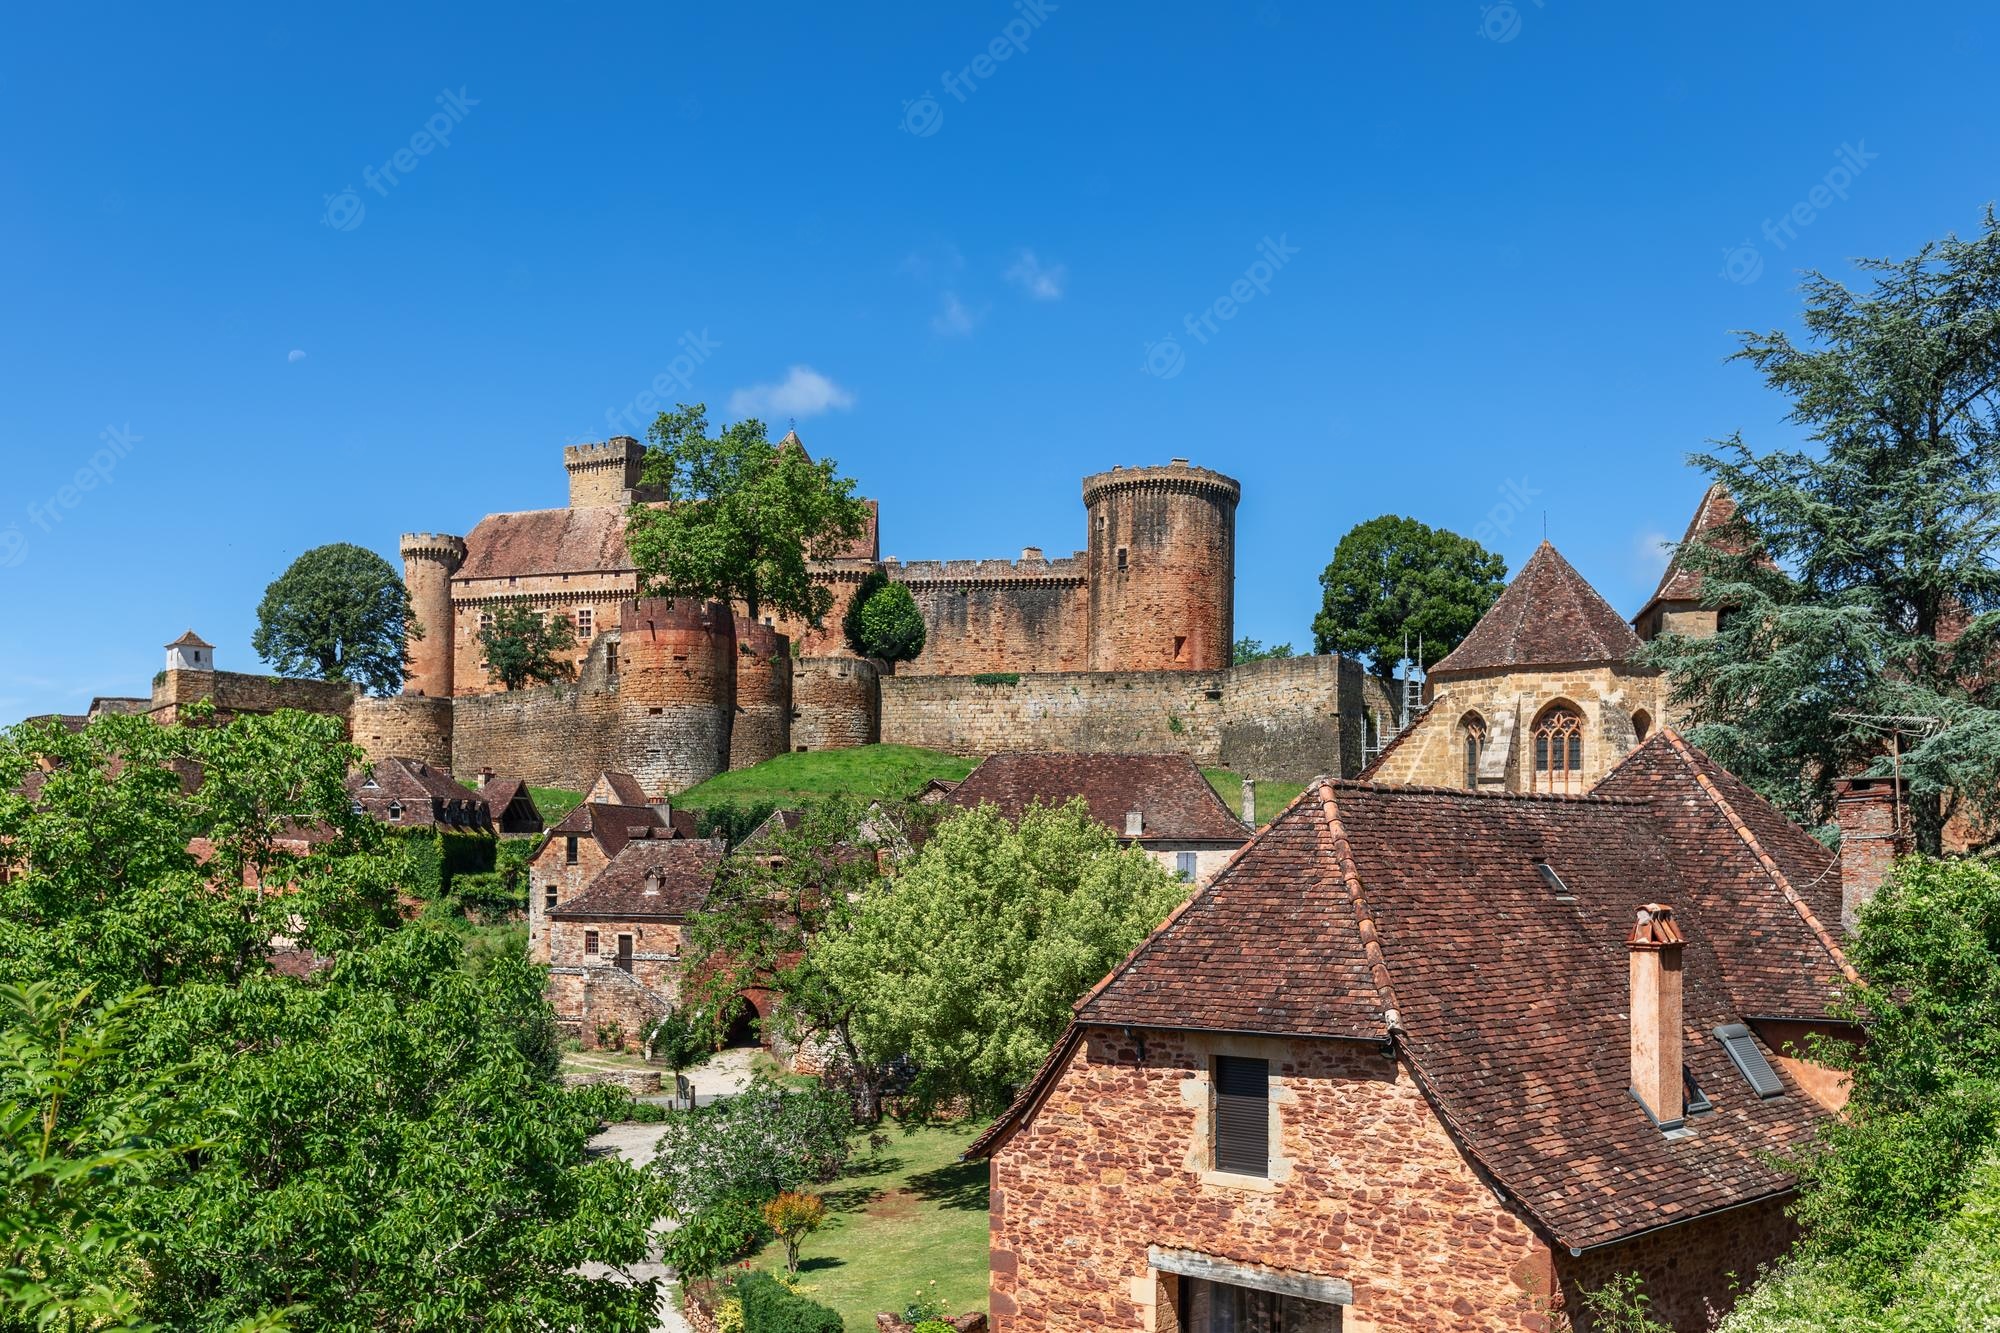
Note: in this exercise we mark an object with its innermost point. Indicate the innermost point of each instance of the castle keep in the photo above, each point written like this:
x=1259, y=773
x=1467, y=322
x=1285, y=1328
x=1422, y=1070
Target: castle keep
x=1124, y=645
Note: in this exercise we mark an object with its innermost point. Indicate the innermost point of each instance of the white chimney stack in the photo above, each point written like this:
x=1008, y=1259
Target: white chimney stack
x=1135, y=823
x=1655, y=948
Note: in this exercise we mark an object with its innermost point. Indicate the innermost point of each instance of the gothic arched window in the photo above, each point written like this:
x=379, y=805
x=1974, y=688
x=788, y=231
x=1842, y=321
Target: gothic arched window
x=1558, y=742
x=1472, y=739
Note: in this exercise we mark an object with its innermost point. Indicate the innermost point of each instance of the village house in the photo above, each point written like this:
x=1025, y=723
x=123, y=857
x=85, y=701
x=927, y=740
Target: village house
x=513, y=805
x=1427, y=1058
x=615, y=948
x=614, y=811
x=1159, y=803
x=412, y=794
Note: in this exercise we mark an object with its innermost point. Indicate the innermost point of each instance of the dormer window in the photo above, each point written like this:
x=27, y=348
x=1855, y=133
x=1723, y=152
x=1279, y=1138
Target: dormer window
x=395, y=809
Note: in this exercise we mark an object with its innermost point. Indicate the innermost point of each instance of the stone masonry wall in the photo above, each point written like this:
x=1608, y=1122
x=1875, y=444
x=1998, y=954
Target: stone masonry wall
x=999, y=615
x=554, y=735
x=237, y=692
x=762, y=727
x=836, y=703
x=1288, y=719
x=407, y=726
x=1687, y=1269
x=676, y=686
x=1366, y=1186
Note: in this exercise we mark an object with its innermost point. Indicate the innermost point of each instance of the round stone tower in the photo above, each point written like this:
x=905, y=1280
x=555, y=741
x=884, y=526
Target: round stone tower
x=676, y=690
x=403, y=726
x=429, y=561
x=1162, y=568
x=762, y=728
x=838, y=702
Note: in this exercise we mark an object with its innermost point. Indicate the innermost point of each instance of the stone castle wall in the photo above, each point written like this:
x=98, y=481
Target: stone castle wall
x=999, y=615
x=239, y=692
x=553, y=736
x=762, y=728
x=836, y=703
x=677, y=691
x=1287, y=719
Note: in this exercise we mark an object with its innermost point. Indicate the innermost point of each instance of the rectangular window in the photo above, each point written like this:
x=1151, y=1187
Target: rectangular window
x=549, y=898
x=569, y=850
x=624, y=960
x=1124, y=561
x=590, y=943
x=1184, y=865
x=485, y=621
x=1215, y=1307
x=1242, y=1116
x=583, y=622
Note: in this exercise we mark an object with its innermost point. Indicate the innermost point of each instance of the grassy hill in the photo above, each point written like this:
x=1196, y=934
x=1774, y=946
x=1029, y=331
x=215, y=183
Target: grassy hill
x=866, y=771
x=1272, y=797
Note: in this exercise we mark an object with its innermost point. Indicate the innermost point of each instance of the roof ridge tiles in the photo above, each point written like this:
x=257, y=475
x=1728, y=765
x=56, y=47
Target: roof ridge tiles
x=1423, y=789
x=1750, y=839
x=1371, y=938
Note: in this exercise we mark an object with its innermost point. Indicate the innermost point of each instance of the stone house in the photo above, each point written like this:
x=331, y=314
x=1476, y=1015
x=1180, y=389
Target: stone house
x=615, y=948
x=409, y=793
x=616, y=810
x=1159, y=803
x=1426, y=1058
x=513, y=805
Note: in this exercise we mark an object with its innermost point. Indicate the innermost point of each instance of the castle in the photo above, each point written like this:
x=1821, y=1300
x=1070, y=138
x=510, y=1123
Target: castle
x=1124, y=645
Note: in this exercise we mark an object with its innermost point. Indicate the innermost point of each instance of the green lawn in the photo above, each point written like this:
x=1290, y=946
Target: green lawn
x=867, y=771
x=554, y=802
x=902, y=1218
x=1271, y=796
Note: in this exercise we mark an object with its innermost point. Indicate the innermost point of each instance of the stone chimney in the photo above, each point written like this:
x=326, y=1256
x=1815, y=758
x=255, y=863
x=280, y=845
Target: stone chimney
x=1135, y=823
x=1249, y=803
x=485, y=778
x=1874, y=831
x=1655, y=949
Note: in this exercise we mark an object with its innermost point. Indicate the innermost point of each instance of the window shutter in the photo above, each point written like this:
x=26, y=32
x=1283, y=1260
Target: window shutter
x=1242, y=1116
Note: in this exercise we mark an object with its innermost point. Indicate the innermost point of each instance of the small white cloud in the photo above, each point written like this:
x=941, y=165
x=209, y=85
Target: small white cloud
x=955, y=320
x=804, y=392
x=1044, y=283
x=295, y=355
x=932, y=261
x=1654, y=550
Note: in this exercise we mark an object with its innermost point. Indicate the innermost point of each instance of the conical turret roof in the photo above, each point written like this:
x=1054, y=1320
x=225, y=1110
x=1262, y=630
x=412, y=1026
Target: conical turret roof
x=1548, y=616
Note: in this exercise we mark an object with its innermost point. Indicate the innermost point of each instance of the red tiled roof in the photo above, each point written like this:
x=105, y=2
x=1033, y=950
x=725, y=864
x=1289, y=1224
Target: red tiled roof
x=651, y=878
x=1679, y=583
x=1176, y=801
x=1549, y=615
x=623, y=786
x=546, y=541
x=418, y=788
x=1367, y=911
x=610, y=825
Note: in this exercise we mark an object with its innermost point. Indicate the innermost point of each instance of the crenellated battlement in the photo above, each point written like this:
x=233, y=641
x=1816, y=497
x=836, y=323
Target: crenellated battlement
x=432, y=546
x=1063, y=569
x=614, y=452
x=1176, y=477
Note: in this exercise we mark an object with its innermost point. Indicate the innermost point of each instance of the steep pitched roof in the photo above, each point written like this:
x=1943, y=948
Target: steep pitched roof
x=649, y=878
x=612, y=826
x=189, y=639
x=1679, y=583
x=546, y=541
x=613, y=788
x=1548, y=616
x=1368, y=912
x=1175, y=800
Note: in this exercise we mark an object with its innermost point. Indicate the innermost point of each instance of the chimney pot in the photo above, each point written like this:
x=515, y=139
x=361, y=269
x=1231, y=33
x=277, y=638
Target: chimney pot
x=1872, y=835
x=1135, y=823
x=1250, y=803
x=1655, y=947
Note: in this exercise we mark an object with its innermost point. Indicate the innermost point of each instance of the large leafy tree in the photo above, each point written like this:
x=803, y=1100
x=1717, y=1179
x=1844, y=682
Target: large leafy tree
x=523, y=646
x=888, y=625
x=1861, y=576
x=966, y=963
x=742, y=519
x=340, y=612
x=1394, y=581
x=384, y=1141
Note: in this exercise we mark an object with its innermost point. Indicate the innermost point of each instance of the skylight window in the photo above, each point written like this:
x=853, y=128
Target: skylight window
x=1695, y=1100
x=1748, y=1057
x=1554, y=881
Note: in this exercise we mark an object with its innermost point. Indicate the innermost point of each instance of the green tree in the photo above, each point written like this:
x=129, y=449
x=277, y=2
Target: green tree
x=1394, y=580
x=889, y=625
x=340, y=612
x=1859, y=578
x=383, y=1143
x=522, y=645
x=743, y=518
x=967, y=961
x=1253, y=650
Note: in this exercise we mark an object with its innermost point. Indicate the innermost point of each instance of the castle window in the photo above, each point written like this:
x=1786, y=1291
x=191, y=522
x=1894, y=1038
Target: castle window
x=485, y=621
x=1180, y=642
x=1558, y=739
x=583, y=627
x=1124, y=559
x=1472, y=730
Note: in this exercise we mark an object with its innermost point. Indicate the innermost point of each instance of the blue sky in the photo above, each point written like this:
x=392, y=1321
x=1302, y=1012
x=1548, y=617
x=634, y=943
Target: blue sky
x=1516, y=239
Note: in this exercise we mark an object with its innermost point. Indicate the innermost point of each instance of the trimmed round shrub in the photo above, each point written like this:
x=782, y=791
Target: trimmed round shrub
x=769, y=1306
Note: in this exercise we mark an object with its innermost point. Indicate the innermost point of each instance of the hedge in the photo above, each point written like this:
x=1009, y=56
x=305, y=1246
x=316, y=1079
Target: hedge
x=439, y=856
x=769, y=1306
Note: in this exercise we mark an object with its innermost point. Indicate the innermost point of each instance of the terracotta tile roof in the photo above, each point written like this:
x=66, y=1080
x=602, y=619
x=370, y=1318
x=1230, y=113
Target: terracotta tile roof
x=622, y=788
x=425, y=793
x=1679, y=583
x=546, y=541
x=1549, y=615
x=189, y=639
x=611, y=825
x=778, y=821
x=1367, y=910
x=1176, y=801
x=70, y=722
x=651, y=878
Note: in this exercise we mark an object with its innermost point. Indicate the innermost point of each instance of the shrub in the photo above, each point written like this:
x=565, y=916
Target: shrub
x=724, y=1231
x=925, y=1307
x=435, y=858
x=891, y=625
x=999, y=678
x=729, y=1315
x=771, y=1307
x=763, y=1141
x=793, y=1216
x=933, y=1326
